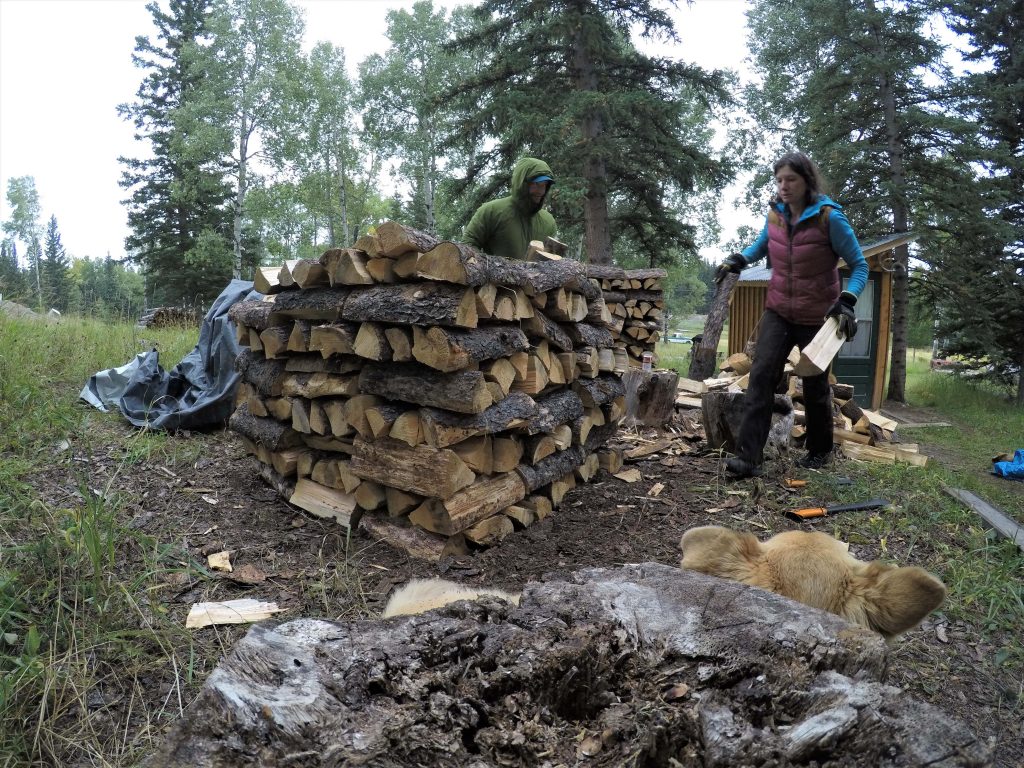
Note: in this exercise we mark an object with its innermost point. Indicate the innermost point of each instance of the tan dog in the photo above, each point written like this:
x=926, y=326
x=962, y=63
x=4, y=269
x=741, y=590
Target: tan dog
x=421, y=595
x=816, y=569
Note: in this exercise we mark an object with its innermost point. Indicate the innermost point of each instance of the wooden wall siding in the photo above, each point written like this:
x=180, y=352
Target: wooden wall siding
x=745, y=307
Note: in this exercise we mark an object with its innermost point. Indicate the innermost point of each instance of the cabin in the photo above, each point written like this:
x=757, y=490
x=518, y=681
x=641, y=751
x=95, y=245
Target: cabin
x=861, y=361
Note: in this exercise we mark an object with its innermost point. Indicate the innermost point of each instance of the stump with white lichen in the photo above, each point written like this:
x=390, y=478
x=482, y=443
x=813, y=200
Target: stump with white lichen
x=642, y=665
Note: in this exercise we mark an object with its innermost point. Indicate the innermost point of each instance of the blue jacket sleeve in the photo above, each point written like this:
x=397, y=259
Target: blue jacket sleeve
x=844, y=243
x=759, y=248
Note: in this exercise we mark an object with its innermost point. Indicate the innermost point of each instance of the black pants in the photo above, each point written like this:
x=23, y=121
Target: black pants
x=776, y=337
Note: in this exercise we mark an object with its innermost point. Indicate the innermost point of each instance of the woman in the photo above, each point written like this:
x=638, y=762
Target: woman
x=804, y=236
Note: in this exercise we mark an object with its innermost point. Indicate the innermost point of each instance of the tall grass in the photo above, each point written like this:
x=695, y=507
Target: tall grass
x=65, y=653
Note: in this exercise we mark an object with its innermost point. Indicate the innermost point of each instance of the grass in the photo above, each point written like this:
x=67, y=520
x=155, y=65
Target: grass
x=78, y=641
x=64, y=646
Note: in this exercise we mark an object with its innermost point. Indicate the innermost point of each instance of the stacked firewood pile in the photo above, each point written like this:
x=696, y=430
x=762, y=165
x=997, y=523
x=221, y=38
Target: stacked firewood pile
x=431, y=393
x=170, y=317
x=635, y=300
x=863, y=434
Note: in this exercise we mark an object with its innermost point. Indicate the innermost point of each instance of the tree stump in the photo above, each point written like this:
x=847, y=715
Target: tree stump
x=646, y=660
x=650, y=397
x=723, y=414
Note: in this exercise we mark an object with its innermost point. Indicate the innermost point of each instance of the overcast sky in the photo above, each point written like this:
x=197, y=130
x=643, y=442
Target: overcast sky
x=65, y=65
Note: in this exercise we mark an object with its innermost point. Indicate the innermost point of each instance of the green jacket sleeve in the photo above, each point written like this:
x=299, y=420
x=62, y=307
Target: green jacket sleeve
x=477, y=232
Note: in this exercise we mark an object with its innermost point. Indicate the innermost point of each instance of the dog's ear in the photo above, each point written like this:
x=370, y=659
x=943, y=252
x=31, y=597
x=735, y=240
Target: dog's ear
x=898, y=599
x=719, y=551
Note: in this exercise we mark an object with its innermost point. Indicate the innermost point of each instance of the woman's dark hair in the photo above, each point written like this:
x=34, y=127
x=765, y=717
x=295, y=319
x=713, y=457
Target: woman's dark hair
x=807, y=170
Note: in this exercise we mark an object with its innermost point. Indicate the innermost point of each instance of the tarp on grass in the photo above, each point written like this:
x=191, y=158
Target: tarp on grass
x=197, y=393
x=1014, y=470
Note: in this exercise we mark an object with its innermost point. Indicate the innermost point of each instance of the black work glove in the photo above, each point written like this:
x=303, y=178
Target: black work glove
x=733, y=263
x=842, y=310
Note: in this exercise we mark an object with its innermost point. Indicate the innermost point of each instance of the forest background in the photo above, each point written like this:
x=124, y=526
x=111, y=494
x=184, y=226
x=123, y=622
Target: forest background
x=252, y=149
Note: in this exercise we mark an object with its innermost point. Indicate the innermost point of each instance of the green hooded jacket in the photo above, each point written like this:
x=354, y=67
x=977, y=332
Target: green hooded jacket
x=505, y=227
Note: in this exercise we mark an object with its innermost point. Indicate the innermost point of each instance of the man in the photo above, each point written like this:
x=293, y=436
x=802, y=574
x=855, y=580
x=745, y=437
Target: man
x=505, y=227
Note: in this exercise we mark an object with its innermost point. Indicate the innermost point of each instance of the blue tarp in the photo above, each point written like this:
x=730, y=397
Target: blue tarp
x=197, y=393
x=1014, y=470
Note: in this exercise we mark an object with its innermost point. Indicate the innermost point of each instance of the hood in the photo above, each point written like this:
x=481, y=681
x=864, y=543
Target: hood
x=525, y=169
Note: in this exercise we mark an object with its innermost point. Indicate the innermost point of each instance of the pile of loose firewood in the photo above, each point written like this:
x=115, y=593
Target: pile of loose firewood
x=434, y=394
x=863, y=434
x=636, y=303
x=170, y=317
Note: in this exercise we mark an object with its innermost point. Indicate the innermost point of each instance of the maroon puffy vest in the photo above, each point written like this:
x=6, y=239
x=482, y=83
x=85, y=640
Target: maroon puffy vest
x=805, y=280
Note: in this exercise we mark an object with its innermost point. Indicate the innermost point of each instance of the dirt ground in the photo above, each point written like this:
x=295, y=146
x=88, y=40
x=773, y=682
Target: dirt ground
x=310, y=568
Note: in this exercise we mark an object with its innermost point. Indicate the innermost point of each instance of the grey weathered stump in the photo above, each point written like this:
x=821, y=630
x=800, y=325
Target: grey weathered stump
x=722, y=413
x=643, y=664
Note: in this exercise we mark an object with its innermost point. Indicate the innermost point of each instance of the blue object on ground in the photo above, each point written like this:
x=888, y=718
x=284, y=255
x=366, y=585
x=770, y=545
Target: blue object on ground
x=1013, y=470
x=198, y=393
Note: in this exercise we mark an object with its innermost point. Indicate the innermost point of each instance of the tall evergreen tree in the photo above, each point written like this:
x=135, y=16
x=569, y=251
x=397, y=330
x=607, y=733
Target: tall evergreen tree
x=12, y=281
x=56, y=278
x=626, y=134
x=980, y=281
x=846, y=82
x=176, y=209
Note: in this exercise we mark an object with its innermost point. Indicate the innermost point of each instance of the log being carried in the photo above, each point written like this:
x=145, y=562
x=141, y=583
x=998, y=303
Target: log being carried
x=425, y=388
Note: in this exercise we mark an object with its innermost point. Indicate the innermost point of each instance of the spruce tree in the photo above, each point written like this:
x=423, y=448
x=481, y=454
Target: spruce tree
x=56, y=277
x=626, y=134
x=979, y=284
x=176, y=210
x=12, y=281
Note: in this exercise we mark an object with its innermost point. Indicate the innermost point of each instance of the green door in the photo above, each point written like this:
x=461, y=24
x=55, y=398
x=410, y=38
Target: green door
x=855, y=363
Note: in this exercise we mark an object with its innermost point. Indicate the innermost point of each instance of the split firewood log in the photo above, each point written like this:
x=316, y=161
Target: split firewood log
x=460, y=391
x=394, y=239
x=433, y=472
x=413, y=304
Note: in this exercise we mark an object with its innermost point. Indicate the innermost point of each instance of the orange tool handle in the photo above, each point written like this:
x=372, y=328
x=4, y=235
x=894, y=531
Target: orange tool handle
x=807, y=513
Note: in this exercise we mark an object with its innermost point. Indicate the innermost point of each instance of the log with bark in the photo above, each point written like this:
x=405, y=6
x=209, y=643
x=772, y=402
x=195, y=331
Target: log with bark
x=552, y=468
x=271, y=433
x=476, y=502
x=462, y=264
x=645, y=659
x=252, y=314
x=266, y=376
x=321, y=303
x=394, y=239
x=413, y=304
x=451, y=349
x=704, y=355
x=442, y=428
x=432, y=472
x=461, y=391
x=558, y=407
x=650, y=397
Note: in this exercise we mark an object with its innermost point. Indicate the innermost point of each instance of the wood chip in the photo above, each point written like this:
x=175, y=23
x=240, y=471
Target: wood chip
x=629, y=475
x=647, y=450
x=248, y=574
x=220, y=561
x=244, y=611
x=656, y=489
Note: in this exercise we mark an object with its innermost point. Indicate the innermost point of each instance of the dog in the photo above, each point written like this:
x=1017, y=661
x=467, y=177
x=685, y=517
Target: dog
x=816, y=569
x=421, y=595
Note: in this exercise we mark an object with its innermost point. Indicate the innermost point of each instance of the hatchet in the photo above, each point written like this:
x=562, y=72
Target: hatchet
x=809, y=513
